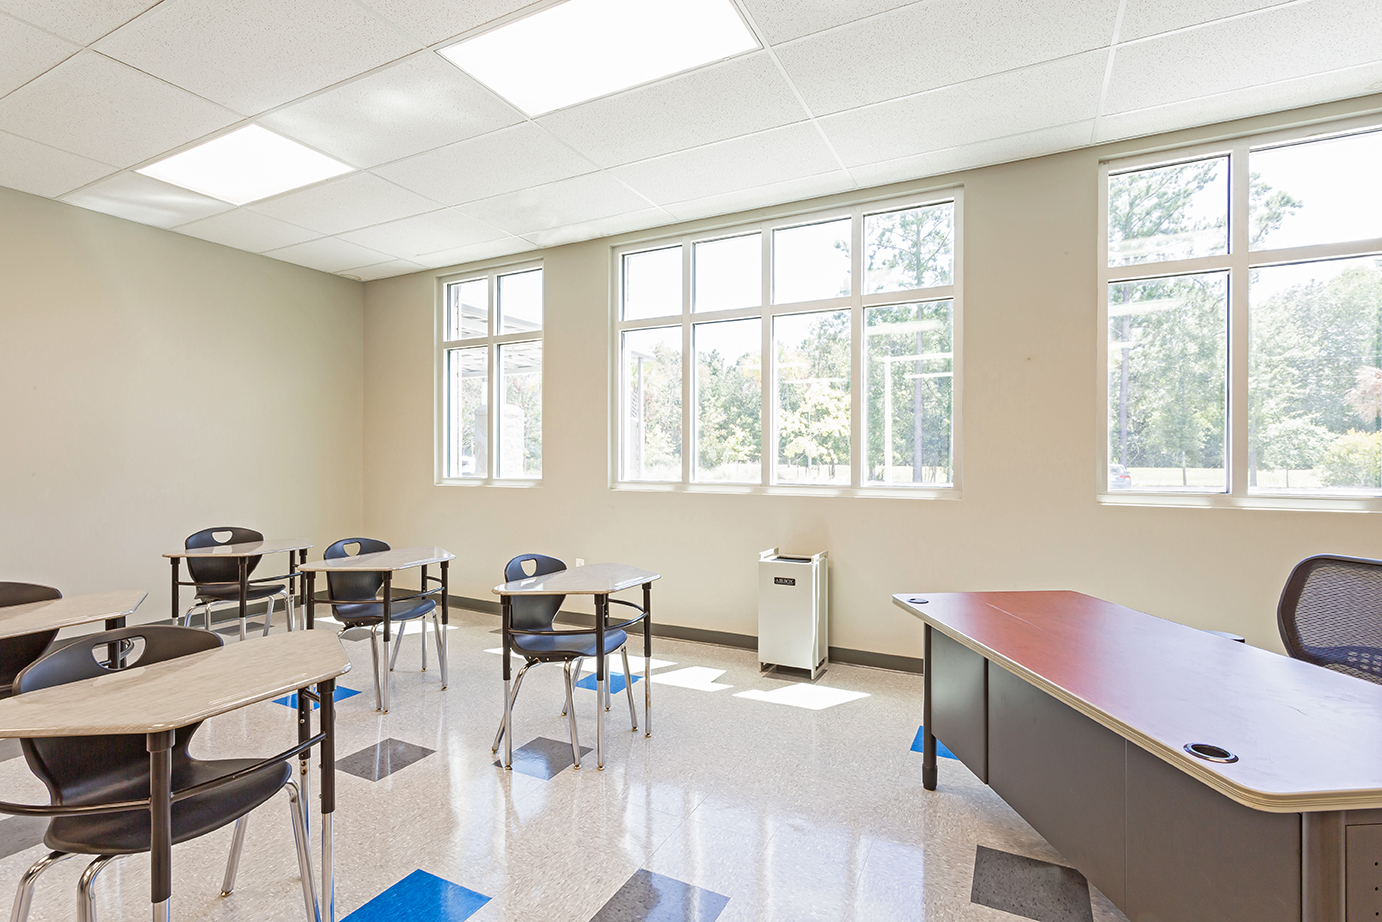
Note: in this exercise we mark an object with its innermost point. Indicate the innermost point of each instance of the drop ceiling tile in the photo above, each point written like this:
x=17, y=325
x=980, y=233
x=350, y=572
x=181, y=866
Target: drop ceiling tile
x=1037, y=143
x=505, y=246
x=432, y=21
x=26, y=52
x=793, y=190
x=925, y=46
x=1287, y=42
x=600, y=227
x=1035, y=97
x=251, y=55
x=424, y=233
x=80, y=21
x=421, y=103
x=382, y=270
x=248, y=230
x=783, y=20
x=148, y=201
x=501, y=161
x=737, y=97
x=768, y=157
x=41, y=170
x=570, y=201
x=101, y=109
x=1142, y=18
x=329, y=255
x=353, y=201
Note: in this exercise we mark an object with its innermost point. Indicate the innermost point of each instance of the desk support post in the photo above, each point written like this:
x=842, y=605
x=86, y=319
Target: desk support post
x=647, y=659
x=928, y=753
x=304, y=734
x=245, y=597
x=601, y=678
x=115, y=652
x=327, y=692
x=311, y=598
x=386, y=674
x=174, y=595
x=1322, y=884
x=506, y=610
x=160, y=747
x=445, y=620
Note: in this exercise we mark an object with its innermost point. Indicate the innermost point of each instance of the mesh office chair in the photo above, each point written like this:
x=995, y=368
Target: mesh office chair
x=531, y=620
x=1330, y=614
x=218, y=581
x=18, y=652
x=367, y=614
x=89, y=770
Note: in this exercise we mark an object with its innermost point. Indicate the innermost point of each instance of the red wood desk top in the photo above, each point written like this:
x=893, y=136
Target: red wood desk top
x=1307, y=739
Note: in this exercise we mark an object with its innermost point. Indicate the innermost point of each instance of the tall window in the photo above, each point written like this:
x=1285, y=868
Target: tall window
x=1244, y=319
x=815, y=351
x=491, y=357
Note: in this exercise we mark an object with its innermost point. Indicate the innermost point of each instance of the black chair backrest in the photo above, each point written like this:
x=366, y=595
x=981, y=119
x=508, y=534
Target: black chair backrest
x=72, y=766
x=1330, y=614
x=363, y=586
x=533, y=612
x=24, y=593
x=18, y=652
x=212, y=570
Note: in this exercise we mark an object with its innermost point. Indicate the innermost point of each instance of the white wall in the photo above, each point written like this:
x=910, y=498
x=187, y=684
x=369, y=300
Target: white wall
x=1028, y=518
x=152, y=385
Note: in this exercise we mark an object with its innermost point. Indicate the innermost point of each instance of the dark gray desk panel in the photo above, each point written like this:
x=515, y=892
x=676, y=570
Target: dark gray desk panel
x=959, y=701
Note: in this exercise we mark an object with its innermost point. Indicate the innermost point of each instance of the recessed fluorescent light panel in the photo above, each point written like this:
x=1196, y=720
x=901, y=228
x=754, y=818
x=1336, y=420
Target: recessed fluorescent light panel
x=245, y=166
x=582, y=49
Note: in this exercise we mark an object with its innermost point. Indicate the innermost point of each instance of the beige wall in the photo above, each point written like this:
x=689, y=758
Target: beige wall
x=1028, y=518
x=152, y=385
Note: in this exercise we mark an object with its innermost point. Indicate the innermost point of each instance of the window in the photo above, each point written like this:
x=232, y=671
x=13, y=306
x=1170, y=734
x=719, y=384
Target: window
x=1243, y=310
x=491, y=356
x=813, y=352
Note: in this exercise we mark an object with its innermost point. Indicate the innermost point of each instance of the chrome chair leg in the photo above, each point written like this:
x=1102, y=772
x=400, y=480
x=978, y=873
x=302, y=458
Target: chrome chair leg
x=398, y=643
x=628, y=686
x=86, y=898
x=288, y=607
x=508, y=704
x=24, y=896
x=237, y=845
x=374, y=651
x=242, y=624
x=297, y=806
x=571, y=718
x=576, y=676
x=422, y=626
x=439, y=631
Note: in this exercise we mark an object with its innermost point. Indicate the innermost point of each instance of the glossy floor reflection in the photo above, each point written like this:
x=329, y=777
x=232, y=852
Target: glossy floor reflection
x=786, y=812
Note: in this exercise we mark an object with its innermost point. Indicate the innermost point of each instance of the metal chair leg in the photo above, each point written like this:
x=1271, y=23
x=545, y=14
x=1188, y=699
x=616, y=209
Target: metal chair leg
x=237, y=845
x=288, y=607
x=628, y=686
x=422, y=626
x=571, y=718
x=517, y=684
x=86, y=898
x=297, y=806
x=398, y=643
x=439, y=632
x=374, y=651
x=24, y=896
x=242, y=623
x=576, y=675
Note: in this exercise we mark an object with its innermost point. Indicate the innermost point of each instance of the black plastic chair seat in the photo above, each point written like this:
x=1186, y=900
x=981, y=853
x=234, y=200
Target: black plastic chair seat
x=367, y=613
x=566, y=645
x=127, y=832
x=230, y=592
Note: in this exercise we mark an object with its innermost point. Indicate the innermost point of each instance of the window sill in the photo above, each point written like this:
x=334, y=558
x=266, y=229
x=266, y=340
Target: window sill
x=482, y=482
x=745, y=489
x=1225, y=501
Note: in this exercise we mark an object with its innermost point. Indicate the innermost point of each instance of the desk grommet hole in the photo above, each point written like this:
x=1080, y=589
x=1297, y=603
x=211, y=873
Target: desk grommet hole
x=1209, y=752
x=917, y=600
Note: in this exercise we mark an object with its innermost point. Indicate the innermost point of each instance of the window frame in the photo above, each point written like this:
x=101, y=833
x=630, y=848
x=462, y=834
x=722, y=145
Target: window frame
x=855, y=303
x=1238, y=263
x=491, y=343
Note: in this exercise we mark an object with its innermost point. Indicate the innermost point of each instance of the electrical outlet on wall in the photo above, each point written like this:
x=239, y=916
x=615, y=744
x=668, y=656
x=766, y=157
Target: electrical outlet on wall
x=580, y=561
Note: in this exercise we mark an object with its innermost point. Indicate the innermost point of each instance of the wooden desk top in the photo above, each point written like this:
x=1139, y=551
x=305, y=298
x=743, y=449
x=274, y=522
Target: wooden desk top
x=399, y=558
x=244, y=549
x=177, y=692
x=592, y=579
x=33, y=617
x=1307, y=739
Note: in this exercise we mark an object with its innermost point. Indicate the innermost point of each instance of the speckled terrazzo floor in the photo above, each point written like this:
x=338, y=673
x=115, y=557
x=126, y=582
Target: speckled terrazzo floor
x=738, y=808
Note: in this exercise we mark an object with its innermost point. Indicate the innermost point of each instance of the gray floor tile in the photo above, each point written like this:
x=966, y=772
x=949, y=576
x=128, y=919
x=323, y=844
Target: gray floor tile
x=543, y=757
x=649, y=897
x=9, y=749
x=382, y=759
x=1030, y=888
x=21, y=832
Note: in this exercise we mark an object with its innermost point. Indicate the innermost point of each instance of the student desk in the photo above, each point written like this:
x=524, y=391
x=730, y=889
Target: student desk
x=600, y=580
x=386, y=563
x=1079, y=712
x=242, y=552
x=55, y=614
x=158, y=699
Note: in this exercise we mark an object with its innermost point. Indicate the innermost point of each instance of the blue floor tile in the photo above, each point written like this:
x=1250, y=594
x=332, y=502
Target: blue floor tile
x=616, y=681
x=341, y=695
x=919, y=741
x=420, y=897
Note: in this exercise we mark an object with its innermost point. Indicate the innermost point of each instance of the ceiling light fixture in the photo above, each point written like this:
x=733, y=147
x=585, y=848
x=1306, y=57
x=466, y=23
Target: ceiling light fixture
x=245, y=166
x=581, y=49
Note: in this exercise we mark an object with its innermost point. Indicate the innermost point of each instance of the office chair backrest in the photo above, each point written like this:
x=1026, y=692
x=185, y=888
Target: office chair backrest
x=211, y=570
x=17, y=652
x=533, y=612
x=73, y=765
x=361, y=586
x=1330, y=614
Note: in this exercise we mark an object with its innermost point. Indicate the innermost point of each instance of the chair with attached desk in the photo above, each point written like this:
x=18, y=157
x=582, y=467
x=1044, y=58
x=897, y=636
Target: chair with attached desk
x=18, y=652
x=530, y=625
x=1330, y=614
x=218, y=581
x=93, y=771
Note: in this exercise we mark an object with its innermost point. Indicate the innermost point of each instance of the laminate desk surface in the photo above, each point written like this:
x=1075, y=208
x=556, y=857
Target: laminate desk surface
x=1307, y=739
x=399, y=558
x=177, y=692
x=244, y=548
x=592, y=579
x=33, y=617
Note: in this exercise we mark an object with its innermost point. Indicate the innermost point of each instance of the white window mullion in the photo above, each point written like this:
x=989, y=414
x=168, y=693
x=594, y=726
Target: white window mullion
x=688, y=372
x=857, y=432
x=767, y=429
x=1238, y=320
